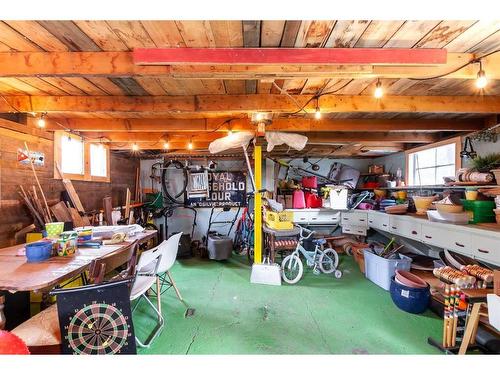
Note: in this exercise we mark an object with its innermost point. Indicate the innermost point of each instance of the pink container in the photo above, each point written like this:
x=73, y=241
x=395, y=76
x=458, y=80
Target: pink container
x=299, y=200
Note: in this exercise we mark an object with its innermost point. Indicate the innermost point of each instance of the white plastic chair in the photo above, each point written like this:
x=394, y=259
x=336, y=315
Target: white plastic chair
x=145, y=278
x=168, y=251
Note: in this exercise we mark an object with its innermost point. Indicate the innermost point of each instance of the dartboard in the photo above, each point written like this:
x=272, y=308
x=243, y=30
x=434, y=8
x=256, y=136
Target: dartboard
x=98, y=328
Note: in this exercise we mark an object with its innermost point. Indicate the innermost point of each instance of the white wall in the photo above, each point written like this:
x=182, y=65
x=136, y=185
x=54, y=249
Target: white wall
x=181, y=220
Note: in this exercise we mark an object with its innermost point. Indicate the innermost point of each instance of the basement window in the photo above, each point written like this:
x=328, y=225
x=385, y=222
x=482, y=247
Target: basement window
x=429, y=164
x=98, y=160
x=79, y=159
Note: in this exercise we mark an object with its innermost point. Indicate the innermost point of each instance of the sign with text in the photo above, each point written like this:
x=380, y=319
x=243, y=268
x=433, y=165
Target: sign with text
x=225, y=189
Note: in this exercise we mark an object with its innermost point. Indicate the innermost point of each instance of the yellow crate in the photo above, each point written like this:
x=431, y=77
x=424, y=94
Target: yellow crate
x=279, y=220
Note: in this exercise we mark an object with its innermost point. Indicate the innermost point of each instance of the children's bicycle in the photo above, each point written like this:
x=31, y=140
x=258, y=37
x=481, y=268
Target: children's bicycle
x=321, y=260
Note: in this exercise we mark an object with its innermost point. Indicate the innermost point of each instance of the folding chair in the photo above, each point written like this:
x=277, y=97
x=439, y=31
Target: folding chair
x=168, y=251
x=145, y=278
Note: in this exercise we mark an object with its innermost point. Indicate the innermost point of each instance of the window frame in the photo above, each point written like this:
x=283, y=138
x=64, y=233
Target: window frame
x=86, y=176
x=458, y=160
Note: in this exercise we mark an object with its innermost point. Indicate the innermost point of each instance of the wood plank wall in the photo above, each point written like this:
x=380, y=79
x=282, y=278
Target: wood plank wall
x=13, y=214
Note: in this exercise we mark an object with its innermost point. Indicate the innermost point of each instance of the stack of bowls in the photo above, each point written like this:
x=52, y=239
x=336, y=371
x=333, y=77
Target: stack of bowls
x=409, y=292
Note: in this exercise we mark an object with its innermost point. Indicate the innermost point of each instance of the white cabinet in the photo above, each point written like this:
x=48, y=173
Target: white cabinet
x=378, y=220
x=405, y=226
x=448, y=238
x=354, y=229
x=487, y=248
x=355, y=218
x=316, y=216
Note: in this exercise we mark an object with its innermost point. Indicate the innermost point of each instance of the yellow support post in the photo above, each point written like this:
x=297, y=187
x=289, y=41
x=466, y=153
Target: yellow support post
x=257, y=206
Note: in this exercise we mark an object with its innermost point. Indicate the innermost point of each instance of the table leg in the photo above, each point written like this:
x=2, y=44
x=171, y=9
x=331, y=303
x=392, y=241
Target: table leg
x=470, y=328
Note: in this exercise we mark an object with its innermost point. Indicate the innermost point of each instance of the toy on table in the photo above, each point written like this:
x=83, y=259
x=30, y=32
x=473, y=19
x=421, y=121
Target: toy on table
x=66, y=244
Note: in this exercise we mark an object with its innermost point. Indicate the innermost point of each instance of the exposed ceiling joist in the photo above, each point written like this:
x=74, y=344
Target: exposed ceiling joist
x=244, y=124
x=223, y=105
x=120, y=64
x=330, y=138
x=281, y=56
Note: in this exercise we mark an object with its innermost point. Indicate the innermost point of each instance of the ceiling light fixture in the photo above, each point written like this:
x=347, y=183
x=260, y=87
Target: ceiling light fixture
x=379, y=92
x=481, y=80
x=317, y=114
x=41, y=121
x=166, y=145
x=190, y=145
x=135, y=147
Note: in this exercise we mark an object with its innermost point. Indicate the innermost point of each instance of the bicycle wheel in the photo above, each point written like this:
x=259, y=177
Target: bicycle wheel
x=250, y=254
x=292, y=269
x=328, y=261
x=174, y=180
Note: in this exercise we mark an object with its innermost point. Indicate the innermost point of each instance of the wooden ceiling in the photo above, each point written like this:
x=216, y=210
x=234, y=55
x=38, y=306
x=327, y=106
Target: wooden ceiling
x=43, y=70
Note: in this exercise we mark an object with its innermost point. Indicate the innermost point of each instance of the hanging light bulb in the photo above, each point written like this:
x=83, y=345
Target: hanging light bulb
x=481, y=80
x=41, y=121
x=317, y=114
x=379, y=92
x=166, y=145
x=229, y=133
x=190, y=145
x=135, y=147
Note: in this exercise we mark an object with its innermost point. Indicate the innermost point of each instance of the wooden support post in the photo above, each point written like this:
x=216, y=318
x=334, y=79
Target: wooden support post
x=258, y=205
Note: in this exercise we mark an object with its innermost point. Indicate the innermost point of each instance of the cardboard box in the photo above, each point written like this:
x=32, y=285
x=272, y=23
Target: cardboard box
x=496, y=282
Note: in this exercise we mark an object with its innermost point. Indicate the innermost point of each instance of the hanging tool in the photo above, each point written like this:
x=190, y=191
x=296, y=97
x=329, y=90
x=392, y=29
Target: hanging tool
x=299, y=169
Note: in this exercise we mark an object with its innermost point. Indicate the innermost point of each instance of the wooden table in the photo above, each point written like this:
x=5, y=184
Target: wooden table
x=17, y=275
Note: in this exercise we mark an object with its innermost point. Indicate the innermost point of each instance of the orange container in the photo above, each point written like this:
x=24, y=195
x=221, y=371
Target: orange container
x=359, y=257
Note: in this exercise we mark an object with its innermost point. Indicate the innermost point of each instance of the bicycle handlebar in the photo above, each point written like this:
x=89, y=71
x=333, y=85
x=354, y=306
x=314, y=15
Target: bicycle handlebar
x=305, y=230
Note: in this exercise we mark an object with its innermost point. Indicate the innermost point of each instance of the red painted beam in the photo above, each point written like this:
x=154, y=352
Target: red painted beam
x=280, y=56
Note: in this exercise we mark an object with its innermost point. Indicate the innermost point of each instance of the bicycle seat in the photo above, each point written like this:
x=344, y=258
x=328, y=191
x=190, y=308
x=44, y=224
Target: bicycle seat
x=319, y=241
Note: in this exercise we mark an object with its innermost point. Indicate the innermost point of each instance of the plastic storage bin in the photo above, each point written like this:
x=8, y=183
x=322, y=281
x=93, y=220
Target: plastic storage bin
x=380, y=270
x=38, y=251
x=479, y=211
x=279, y=220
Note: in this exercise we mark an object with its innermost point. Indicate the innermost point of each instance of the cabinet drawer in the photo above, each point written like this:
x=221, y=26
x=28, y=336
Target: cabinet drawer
x=456, y=240
x=355, y=219
x=352, y=229
x=378, y=220
x=404, y=227
x=325, y=217
x=301, y=216
x=487, y=248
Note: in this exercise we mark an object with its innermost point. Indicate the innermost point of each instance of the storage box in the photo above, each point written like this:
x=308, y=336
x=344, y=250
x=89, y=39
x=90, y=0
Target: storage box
x=380, y=270
x=279, y=220
x=479, y=211
x=338, y=197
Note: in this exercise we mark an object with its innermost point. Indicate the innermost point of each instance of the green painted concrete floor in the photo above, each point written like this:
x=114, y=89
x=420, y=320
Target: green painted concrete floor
x=319, y=315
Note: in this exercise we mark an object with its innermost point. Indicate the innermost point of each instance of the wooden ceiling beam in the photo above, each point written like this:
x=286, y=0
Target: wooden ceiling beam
x=330, y=138
x=224, y=105
x=244, y=124
x=120, y=64
x=279, y=56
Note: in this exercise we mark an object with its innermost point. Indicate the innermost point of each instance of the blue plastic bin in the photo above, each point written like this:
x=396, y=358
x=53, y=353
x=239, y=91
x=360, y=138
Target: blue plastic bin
x=380, y=270
x=38, y=251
